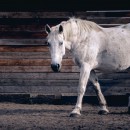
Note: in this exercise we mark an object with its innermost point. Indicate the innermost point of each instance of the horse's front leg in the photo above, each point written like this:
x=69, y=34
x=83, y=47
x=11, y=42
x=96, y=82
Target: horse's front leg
x=84, y=75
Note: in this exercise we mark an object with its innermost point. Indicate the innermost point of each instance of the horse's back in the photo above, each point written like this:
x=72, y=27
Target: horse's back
x=125, y=26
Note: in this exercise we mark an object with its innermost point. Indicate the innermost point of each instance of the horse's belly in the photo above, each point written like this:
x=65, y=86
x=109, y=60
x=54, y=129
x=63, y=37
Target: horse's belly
x=113, y=61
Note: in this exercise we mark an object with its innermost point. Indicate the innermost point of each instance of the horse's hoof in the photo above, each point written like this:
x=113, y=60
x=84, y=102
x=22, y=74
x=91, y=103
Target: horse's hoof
x=75, y=115
x=103, y=112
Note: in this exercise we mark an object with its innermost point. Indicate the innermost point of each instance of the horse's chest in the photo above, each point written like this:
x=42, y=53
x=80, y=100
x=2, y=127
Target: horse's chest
x=84, y=54
x=77, y=56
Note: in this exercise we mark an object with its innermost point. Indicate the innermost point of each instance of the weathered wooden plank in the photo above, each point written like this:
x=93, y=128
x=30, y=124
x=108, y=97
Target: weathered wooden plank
x=69, y=75
x=15, y=89
x=36, y=28
x=62, y=90
x=37, y=82
x=115, y=90
x=23, y=48
x=117, y=13
x=55, y=21
x=25, y=55
x=113, y=11
x=30, y=27
x=109, y=20
x=60, y=82
x=41, y=89
x=115, y=76
x=32, y=62
x=110, y=82
x=56, y=76
x=51, y=76
x=22, y=34
x=29, y=55
x=22, y=42
x=31, y=21
x=106, y=13
x=43, y=69
x=25, y=69
x=35, y=14
x=37, y=76
x=46, y=89
x=38, y=89
x=26, y=48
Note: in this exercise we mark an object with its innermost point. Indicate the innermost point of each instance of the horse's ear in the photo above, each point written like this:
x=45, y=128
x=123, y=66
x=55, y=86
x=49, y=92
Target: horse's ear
x=47, y=28
x=60, y=29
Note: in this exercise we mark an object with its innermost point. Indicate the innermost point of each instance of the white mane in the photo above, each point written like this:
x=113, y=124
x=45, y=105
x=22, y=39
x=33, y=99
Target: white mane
x=78, y=26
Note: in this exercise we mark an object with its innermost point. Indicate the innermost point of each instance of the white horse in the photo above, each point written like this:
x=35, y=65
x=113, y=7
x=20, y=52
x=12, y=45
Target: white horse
x=93, y=47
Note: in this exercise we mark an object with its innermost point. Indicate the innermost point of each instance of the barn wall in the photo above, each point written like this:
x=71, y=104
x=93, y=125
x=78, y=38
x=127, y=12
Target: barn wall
x=25, y=59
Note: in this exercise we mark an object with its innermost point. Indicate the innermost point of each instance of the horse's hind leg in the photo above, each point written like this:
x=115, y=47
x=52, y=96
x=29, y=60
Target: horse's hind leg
x=94, y=79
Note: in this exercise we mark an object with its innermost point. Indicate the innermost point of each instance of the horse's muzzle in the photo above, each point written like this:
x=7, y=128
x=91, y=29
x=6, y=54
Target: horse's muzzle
x=55, y=67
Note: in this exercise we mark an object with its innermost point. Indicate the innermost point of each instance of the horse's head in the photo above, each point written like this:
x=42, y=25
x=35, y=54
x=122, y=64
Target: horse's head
x=56, y=46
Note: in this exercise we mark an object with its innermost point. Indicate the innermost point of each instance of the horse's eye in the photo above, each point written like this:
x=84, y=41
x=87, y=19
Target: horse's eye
x=61, y=43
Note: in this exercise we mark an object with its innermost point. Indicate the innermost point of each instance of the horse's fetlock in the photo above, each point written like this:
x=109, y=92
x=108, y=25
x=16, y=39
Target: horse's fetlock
x=79, y=108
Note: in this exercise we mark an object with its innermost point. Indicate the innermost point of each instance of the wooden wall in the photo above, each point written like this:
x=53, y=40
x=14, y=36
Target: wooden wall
x=25, y=59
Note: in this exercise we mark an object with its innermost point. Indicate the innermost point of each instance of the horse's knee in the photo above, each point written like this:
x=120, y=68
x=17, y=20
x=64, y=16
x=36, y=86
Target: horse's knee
x=81, y=90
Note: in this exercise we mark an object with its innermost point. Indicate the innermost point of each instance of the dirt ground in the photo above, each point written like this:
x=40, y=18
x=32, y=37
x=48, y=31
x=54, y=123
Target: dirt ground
x=48, y=117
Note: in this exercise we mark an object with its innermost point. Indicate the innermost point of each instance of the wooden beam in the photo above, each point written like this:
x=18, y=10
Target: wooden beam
x=30, y=55
x=35, y=69
x=21, y=48
x=32, y=62
x=35, y=76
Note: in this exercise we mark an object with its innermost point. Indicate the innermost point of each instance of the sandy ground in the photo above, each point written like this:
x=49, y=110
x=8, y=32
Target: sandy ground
x=48, y=117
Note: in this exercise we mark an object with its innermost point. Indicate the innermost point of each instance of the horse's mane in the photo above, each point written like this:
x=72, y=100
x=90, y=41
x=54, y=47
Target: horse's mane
x=83, y=27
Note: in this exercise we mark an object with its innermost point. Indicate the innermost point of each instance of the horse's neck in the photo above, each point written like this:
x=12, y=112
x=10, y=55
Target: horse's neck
x=69, y=42
x=73, y=42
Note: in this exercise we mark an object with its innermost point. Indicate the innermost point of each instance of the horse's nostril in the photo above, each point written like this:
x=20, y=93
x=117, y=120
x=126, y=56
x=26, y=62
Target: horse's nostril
x=55, y=67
